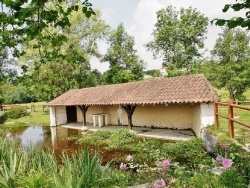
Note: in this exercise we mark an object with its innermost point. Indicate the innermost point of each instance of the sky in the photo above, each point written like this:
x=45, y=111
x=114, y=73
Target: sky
x=139, y=18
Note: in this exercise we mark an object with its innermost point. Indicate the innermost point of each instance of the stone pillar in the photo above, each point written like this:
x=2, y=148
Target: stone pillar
x=53, y=122
x=53, y=136
x=207, y=114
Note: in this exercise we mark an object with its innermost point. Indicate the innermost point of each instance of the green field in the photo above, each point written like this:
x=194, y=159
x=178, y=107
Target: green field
x=35, y=117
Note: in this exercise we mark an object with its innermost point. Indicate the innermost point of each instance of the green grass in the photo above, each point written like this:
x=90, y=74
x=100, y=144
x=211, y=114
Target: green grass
x=37, y=117
x=224, y=94
x=242, y=133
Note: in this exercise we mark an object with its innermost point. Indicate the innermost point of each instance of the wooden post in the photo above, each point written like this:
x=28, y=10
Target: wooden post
x=216, y=117
x=84, y=109
x=230, y=119
x=130, y=110
x=236, y=112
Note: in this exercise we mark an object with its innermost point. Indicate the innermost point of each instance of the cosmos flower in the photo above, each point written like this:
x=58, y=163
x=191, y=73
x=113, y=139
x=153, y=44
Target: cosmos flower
x=123, y=166
x=227, y=163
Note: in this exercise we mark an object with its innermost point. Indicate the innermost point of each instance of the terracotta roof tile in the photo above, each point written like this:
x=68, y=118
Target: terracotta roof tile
x=181, y=89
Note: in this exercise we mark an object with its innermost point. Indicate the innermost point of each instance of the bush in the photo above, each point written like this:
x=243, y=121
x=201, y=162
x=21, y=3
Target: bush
x=118, y=139
x=190, y=152
x=16, y=112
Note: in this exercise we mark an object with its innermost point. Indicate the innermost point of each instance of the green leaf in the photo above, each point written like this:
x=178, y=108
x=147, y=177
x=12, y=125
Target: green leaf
x=237, y=7
x=232, y=24
x=239, y=20
x=245, y=23
x=220, y=22
x=226, y=7
x=88, y=14
x=84, y=9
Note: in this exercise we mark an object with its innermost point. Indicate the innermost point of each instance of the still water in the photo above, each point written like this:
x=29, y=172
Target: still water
x=57, y=138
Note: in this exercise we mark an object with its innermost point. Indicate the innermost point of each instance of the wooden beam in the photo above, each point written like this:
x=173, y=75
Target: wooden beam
x=84, y=109
x=130, y=110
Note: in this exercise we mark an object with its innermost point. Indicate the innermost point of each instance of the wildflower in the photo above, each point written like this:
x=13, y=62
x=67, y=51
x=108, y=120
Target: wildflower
x=123, y=166
x=156, y=185
x=218, y=159
x=129, y=158
x=166, y=163
x=163, y=183
x=227, y=163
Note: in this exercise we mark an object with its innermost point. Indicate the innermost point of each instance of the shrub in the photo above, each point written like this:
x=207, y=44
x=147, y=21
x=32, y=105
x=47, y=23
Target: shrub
x=190, y=152
x=118, y=139
x=121, y=138
x=16, y=112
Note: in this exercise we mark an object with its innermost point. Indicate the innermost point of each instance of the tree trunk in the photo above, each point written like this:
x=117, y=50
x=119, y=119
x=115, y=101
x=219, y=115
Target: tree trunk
x=84, y=109
x=130, y=110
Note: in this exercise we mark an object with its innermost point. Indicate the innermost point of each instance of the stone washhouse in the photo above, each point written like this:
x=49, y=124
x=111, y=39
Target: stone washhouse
x=183, y=102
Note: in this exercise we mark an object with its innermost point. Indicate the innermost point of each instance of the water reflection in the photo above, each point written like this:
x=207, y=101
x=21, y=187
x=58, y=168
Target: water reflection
x=57, y=138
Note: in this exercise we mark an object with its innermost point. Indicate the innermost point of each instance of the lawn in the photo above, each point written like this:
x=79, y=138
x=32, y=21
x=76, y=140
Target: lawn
x=35, y=117
x=242, y=133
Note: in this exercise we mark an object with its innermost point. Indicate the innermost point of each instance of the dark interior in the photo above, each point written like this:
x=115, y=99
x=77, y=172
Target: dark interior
x=71, y=114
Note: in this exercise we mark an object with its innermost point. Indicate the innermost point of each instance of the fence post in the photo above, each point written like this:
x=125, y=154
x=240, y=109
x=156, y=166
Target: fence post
x=216, y=118
x=230, y=117
x=236, y=112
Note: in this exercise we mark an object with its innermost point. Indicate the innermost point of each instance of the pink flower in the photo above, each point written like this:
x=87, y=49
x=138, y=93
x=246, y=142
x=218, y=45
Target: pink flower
x=163, y=183
x=218, y=159
x=123, y=166
x=156, y=185
x=129, y=158
x=227, y=163
x=166, y=163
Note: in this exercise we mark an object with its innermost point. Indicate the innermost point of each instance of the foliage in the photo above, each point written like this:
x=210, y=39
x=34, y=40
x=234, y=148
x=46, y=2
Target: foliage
x=178, y=36
x=26, y=20
x=8, y=66
x=118, y=139
x=98, y=137
x=71, y=69
x=230, y=68
x=235, y=21
x=82, y=170
x=153, y=72
x=16, y=112
x=13, y=94
x=29, y=167
x=124, y=64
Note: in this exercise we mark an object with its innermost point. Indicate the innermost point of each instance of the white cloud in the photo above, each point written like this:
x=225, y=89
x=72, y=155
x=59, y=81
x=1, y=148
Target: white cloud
x=144, y=20
x=141, y=25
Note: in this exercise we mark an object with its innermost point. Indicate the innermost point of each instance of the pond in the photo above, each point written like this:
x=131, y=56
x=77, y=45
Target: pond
x=57, y=138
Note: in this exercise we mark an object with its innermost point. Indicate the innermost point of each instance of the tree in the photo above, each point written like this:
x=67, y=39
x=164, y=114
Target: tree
x=236, y=21
x=25, y=20
x=231, y=65
x=71, y=69
x=124, y=64
x=178, y=36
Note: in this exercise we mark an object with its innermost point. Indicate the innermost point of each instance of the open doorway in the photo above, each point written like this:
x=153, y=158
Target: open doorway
x=71, y=114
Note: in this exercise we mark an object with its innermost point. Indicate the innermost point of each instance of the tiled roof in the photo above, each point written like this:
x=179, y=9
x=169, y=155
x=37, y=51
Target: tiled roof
x=181, y=89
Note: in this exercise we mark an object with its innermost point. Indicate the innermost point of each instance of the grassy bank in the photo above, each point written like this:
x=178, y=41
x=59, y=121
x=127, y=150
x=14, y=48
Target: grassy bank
x=242, y=134
x=35, y=115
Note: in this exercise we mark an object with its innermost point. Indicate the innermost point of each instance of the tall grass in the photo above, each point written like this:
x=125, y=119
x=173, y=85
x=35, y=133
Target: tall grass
x=29, y=167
